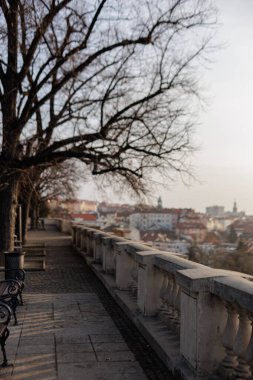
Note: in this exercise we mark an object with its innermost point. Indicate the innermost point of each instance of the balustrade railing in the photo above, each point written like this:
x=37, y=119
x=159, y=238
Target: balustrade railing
x=236, y=294
x=209, y=311
x=109, y=244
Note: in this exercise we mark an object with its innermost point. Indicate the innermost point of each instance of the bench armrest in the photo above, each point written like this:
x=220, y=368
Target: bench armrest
x=5, y=313
x=19, y=273
x=9, y=288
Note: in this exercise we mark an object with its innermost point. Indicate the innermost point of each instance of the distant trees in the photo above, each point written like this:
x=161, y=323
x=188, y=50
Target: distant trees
x=107, y=82
x=232, y=235
x=58, y=180
x=62, y=180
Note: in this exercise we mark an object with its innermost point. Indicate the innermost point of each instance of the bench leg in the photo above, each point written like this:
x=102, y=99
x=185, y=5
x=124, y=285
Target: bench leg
x=15, y=318
x=13, y=305
x=21, y=299
x=3, y=340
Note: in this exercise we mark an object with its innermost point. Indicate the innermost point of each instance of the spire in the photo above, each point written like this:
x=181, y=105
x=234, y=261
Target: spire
x=159, y=202
x=235, y=208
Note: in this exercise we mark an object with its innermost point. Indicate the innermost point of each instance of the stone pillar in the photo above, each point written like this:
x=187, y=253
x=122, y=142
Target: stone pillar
x=108, y=265
x=78, y=236
x=65, y=225
x=109, y=252
x=85, y=241
x=203, y=319
x=74, y=235
x=98, y=247
x=82, y=243
x=124, y=266
x=150, y=281
x=90, y=243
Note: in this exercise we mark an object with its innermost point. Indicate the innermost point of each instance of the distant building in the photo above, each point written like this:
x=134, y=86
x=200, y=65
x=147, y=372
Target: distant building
x=244, y=226
x=179, y=247
x=219, y=212
x=155, y=237
x=113, y=208
x=145, y=220
x=220, y=223
x=90, y=219
x=215, y=211
x=195, y=231
x=74, y=205
x=235, y=212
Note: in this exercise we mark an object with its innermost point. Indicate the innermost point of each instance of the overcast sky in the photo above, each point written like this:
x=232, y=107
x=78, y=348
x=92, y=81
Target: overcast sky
x=224, y=165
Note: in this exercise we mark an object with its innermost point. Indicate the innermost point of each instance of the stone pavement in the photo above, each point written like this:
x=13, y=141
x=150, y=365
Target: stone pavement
x=71, y=328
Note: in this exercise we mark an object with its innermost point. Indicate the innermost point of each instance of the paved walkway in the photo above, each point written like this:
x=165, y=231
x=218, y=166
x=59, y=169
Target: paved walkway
x=71, y=328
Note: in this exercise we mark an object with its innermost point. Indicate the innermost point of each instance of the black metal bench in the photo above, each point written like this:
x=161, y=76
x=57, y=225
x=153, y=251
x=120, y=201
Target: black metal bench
x=19, y=276
x=5, y=316
x=9, y=292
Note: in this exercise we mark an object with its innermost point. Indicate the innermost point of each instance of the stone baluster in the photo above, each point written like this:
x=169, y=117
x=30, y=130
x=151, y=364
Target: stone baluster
x=74, y=235
x=241, y=344
x=87, y=242
x=89, y=248
x=173, y=301
x=91, y=243
x=106, y=252
x=94, y=243
x=174, y=296
x=229, y=363
x=163, y=294
x=114, y=260
x=82, y=240
x=78, y=238
x=249, y=353
x=98, y=256
x=168, y=299
x=113, y=257
x=123, y=267
x=178, y=309
x=134, y=275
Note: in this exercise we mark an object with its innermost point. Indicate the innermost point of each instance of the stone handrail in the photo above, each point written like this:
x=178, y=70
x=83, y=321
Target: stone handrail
x=208, y=312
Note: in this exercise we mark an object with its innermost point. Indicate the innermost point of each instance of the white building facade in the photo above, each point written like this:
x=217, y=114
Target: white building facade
x=146, y=220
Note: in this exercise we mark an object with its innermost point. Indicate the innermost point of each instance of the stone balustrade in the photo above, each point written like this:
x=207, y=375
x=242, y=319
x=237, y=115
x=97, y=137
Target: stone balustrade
x=63, y=225
x=198, y=319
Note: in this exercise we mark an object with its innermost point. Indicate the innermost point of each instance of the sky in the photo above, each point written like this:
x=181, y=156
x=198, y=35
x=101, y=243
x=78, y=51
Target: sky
x=224, y=163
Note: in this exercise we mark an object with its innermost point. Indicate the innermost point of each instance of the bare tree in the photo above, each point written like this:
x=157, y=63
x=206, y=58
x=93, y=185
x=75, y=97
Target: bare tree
x=37, y=187
x=62, y=180
x=106, y=82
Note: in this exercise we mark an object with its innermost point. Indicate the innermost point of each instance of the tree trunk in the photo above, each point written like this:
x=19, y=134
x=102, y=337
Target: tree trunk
x=33, y=217
x=8, y=205
x=25, y=202
x=33, y=211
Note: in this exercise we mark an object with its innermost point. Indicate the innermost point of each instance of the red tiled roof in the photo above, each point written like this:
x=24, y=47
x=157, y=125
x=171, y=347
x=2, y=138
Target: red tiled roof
x=156, y=235
x=184, y=226
x=84, y=216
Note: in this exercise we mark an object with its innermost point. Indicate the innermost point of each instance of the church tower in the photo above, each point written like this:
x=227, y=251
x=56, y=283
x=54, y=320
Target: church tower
x=235, y=208
x=159, y=202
